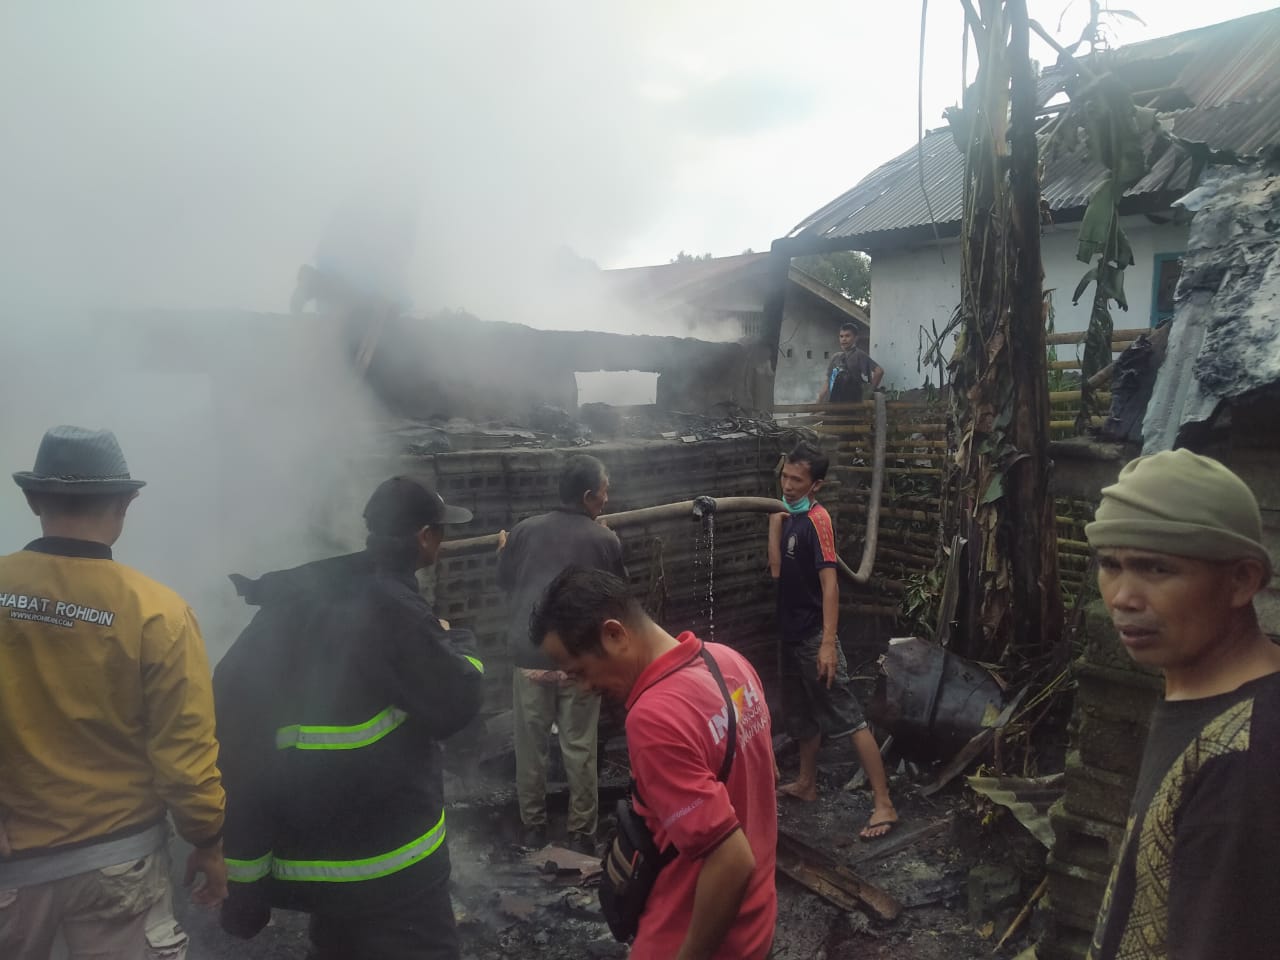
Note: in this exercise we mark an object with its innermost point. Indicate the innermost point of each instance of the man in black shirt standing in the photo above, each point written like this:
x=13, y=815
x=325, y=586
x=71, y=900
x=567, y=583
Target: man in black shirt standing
x=848, y=369
x=1180, y=561
x=529, y=558
x=815, y=680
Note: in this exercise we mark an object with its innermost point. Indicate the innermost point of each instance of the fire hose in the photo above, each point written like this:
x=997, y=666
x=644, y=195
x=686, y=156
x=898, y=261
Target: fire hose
x=703, y=507
x=863, y=573
x=694, y=509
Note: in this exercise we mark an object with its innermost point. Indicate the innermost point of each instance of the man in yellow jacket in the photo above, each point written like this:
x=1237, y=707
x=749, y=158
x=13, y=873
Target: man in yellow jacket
x=106, y=725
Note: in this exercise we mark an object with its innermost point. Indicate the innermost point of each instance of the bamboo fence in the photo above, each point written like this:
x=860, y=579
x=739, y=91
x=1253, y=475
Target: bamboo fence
x=917, y=481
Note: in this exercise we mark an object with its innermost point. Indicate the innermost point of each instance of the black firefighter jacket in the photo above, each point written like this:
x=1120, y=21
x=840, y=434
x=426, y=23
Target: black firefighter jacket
x=330, y=708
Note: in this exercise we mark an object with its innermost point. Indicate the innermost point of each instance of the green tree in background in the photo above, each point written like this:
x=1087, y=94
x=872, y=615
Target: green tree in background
x=848, y=272
x=683, y=257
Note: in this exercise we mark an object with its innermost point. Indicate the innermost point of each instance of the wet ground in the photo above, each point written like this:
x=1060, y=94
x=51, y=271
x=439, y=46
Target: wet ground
x=508, y=906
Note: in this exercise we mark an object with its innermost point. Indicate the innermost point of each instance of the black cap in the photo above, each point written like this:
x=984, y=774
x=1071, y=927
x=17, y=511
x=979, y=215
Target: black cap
x=402, y=506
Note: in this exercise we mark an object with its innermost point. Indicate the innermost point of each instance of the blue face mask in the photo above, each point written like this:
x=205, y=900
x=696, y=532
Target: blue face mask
x=800, y=506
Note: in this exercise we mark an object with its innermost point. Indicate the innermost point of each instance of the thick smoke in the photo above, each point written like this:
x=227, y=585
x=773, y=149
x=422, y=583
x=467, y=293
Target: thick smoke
x=182, y=159
x=168, y=166
x=256, y=441
x=183, y=155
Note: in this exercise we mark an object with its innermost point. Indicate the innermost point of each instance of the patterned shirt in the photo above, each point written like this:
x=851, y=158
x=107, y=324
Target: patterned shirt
x=1199, y=870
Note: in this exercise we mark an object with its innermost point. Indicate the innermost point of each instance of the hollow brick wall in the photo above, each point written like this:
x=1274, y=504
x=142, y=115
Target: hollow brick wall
x=503, y=487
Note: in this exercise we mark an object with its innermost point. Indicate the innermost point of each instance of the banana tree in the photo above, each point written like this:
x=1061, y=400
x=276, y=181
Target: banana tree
x=999, y=369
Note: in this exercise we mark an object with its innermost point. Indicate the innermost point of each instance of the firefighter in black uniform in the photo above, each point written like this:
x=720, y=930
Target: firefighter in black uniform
x=330, y=707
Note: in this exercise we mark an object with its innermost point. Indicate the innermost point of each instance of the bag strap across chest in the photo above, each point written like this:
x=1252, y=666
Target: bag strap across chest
x=731, y=738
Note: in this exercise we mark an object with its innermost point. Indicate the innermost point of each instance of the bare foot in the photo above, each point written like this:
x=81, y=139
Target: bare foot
x=880, y=823
x=800, y=791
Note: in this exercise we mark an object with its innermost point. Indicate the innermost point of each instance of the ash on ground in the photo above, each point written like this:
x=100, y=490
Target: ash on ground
x=511, y=902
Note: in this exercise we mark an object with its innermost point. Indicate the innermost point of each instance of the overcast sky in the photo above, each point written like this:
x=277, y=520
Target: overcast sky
x=182, y=153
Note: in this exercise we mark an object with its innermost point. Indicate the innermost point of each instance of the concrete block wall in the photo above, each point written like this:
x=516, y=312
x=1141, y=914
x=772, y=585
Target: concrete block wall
x=1255, y=456
x=1114, y=700
x=504, y=486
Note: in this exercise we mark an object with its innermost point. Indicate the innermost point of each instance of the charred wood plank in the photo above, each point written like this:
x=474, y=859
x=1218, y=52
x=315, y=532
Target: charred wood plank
x=836, y=884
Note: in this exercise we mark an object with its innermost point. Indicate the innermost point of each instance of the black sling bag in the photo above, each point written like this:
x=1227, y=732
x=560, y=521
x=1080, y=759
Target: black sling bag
x=633, y=861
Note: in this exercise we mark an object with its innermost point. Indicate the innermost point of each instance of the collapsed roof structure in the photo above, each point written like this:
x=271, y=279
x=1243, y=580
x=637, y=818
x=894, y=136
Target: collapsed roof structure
x=1224, y=345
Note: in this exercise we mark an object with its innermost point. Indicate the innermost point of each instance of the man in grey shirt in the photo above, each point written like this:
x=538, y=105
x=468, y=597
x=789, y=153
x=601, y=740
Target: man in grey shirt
x=848, y=369
x=529, y=558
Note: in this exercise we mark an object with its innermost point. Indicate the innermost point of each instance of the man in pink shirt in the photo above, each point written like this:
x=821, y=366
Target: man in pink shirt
x=716, y=900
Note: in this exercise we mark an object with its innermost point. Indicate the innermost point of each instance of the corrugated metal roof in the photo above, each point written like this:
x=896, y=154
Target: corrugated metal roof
x=890, y=198
x=1221, y=63
x=1230, y=71
x=1247, y=128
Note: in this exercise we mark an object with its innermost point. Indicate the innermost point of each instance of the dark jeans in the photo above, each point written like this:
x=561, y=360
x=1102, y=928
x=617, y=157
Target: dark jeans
x=416, y=927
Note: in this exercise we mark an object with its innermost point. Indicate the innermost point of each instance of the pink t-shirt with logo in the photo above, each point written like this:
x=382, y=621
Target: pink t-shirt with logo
x=677, y=726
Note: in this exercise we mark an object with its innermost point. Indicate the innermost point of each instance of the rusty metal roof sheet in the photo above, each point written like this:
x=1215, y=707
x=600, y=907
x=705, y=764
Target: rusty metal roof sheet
x=1229, y=71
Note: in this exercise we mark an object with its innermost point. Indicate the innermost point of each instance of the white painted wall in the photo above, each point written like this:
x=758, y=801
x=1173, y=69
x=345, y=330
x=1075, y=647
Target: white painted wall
x=808, y=339
x=911, y=289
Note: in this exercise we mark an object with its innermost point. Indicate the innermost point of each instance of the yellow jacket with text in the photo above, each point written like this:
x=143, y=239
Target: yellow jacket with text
x=106, y=702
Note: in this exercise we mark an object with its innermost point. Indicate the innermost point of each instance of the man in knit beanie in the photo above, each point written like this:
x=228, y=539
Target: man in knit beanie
x=1180, y=560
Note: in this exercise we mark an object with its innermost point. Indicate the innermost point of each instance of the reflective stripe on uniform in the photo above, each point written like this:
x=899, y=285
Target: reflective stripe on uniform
x=247, y=871
x=303, y=736
x=348, y=871
x=476, y=663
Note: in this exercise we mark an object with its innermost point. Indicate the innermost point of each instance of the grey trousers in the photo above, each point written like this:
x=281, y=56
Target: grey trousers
x=576, y=714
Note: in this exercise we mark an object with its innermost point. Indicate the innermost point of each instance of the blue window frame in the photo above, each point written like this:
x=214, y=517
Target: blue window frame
x=1164, y=280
